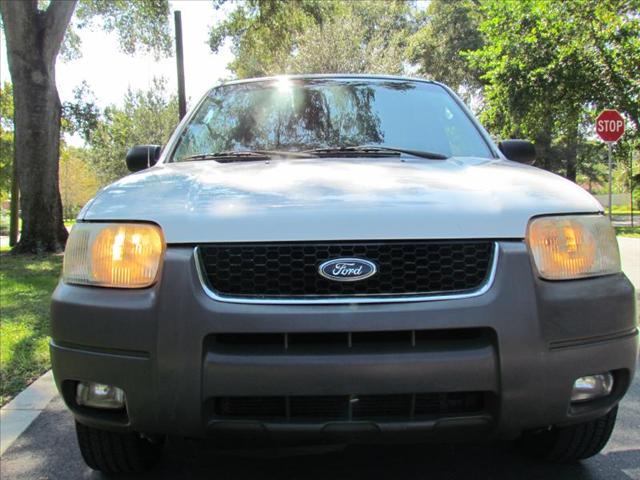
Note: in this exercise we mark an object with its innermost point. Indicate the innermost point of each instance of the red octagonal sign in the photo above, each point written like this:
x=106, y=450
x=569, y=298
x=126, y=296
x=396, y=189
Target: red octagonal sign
x=610, y=125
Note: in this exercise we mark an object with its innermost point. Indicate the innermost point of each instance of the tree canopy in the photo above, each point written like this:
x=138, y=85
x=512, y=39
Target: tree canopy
x=263, y=32
x=447, y=30
x=140, y=26
x=275, y=37
x=78, y=180
x=146, y=117
x=547, y=68
x=6, y=138
x=363, y=37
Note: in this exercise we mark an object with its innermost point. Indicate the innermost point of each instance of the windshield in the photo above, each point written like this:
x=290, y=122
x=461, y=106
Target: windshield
x=304, y=114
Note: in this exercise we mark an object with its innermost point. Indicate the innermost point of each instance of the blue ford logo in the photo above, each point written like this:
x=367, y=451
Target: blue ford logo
x=347, y=269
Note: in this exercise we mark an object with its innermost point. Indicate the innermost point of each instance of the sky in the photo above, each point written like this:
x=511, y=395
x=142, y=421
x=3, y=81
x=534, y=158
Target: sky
x=109, y=72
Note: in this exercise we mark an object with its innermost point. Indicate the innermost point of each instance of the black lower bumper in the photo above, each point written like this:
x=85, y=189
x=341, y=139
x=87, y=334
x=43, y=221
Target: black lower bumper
x=176, y=353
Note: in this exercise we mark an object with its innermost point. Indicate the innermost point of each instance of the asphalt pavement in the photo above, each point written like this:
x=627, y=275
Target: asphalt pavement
x=48, y=450
x=630, y=256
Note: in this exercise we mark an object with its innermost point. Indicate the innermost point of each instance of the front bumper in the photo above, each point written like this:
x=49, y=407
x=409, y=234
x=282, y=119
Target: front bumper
x=532, y=340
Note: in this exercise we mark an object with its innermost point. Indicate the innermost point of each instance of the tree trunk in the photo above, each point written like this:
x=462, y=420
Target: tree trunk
x=571, y=151
x=543, y=149
x=33, y=41
x=37, y=147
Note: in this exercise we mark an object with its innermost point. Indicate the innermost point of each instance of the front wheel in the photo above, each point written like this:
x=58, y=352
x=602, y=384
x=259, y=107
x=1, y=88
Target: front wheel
x=113, y=452
x=571, y=443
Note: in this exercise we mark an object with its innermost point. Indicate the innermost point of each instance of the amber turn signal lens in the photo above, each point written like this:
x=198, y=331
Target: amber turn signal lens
x=126, y=255
x=573, y=246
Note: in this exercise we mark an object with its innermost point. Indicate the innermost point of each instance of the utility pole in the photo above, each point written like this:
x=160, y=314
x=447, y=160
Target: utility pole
x=182, y=99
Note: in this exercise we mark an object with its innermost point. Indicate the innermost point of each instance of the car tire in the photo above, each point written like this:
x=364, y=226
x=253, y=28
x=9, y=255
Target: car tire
x=571, y=443
x=114, y=452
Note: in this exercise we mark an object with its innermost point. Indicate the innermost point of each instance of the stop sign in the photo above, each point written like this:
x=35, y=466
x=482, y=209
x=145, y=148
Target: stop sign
x=610, y=125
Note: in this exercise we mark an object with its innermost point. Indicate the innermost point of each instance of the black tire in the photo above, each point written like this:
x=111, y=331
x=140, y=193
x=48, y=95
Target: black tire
x=571, y=443
x=112, y=452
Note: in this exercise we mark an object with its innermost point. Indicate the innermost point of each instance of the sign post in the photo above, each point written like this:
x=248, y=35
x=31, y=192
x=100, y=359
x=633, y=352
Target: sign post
x=610, y=148
x=610, y=127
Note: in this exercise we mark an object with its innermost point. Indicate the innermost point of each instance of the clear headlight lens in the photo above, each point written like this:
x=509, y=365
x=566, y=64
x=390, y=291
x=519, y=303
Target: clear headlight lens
x=119, y=255
x=573, y=246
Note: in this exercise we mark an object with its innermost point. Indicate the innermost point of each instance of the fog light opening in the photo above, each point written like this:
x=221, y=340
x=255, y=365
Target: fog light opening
x=99, y=395
x=591, y=387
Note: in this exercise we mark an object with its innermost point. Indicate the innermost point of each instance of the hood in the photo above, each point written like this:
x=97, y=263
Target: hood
x=339, y=199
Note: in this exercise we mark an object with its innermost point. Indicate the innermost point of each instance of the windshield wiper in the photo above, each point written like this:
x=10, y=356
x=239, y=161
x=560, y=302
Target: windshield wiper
x=375, y=150
x=352, y=151
x=226, y=156
x=246, y=155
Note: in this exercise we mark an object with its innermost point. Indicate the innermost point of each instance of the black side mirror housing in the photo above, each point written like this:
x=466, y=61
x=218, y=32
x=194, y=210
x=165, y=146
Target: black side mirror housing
x=142, y=156
x=520, y=151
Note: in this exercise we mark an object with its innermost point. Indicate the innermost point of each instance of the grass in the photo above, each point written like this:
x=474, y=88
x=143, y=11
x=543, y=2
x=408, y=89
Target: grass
x=4, y=222
x=26, y=284
x=622, y=210
x=633, y=232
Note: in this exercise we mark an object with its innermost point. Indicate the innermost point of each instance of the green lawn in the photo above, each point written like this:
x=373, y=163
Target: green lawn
x=628, y=232
x=26, y=284
x=4, y=222
x=622, y=210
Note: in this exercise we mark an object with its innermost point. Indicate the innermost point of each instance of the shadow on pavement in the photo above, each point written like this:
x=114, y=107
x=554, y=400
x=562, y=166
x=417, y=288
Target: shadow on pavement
x=405, y=462
x=48, y=450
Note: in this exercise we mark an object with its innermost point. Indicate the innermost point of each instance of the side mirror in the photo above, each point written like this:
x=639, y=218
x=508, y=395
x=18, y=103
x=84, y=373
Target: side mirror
x=518, y=150
x=142, y=156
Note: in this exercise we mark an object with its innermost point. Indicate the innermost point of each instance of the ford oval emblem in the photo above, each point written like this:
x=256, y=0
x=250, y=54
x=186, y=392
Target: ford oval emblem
x=347, y=269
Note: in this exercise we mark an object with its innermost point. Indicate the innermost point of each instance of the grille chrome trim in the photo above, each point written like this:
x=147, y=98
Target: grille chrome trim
x=351, y=299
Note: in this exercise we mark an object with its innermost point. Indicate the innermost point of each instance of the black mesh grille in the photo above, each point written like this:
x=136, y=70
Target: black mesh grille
x=291, y=269
x=349, y=407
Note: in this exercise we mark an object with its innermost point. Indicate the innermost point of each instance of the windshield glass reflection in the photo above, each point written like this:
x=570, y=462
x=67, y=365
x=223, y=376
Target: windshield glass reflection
x=302, y=114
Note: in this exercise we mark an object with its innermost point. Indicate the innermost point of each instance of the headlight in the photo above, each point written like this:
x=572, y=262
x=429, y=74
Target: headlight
x=120, y=255
x=573, y=246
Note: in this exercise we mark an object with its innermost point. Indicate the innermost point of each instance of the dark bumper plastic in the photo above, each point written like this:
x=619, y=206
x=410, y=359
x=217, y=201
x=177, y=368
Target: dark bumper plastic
x=152, y=343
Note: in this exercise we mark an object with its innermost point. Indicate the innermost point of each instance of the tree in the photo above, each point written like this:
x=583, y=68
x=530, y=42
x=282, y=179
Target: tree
x=80, y=115
x=263, y=32
x=34, y=33
x=275, y=37
x=610, y=37
x=365, y=37
x=6, y=139
x=447, y=30
x=78, y=180
x=543, y=72
x=147, y=117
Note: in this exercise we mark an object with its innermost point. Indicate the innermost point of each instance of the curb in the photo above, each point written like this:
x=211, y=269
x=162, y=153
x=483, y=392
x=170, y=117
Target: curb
x=18, y=414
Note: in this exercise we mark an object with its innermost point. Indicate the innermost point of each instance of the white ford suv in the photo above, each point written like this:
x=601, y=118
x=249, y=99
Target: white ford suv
x=340, y=259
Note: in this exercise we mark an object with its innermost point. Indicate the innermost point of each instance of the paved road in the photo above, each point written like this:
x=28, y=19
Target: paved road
x=47, y=450
x=625, y=220
x=630, y=255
